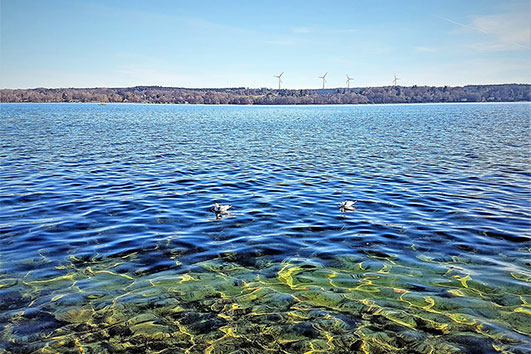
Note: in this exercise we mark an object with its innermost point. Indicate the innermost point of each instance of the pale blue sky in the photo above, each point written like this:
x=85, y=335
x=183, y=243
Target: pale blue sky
x=229, y=43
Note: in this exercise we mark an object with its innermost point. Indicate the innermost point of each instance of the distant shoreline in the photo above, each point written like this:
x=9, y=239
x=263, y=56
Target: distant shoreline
x=272, y=105
x=264, y=96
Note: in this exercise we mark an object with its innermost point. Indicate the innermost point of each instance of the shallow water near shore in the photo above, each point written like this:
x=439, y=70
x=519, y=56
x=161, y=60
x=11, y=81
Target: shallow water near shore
x=107, y=244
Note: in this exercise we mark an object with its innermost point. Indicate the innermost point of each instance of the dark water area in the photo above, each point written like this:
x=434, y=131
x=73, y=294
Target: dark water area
x=108, y=244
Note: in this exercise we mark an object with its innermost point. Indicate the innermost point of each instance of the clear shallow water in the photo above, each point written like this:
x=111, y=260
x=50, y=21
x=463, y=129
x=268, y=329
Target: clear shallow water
x=107, y=243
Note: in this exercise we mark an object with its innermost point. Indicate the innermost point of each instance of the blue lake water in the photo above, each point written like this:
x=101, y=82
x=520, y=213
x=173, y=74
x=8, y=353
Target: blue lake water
x=108, y=244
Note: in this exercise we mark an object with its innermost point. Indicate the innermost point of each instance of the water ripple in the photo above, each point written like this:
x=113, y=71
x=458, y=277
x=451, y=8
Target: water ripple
x=106, y=234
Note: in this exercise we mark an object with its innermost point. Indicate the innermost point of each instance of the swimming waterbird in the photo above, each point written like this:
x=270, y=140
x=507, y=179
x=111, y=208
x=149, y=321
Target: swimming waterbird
x=347, y=205
x=220, y=209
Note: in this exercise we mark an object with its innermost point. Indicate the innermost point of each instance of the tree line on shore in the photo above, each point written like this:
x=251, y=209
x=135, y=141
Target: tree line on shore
x=265, y=96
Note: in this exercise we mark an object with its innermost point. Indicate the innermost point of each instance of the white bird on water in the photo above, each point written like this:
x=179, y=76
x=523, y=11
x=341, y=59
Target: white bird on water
x=347, y=205
x=220, y=209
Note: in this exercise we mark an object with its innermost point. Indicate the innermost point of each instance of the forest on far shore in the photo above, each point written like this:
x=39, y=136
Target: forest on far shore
x=265, y=96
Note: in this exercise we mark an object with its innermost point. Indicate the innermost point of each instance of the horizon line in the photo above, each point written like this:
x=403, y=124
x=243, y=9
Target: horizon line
x=256, y=88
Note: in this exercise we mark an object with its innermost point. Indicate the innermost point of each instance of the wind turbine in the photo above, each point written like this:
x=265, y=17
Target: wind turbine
x=348, y=81
x=324, y=79
x=395, y=80
x=279, y=79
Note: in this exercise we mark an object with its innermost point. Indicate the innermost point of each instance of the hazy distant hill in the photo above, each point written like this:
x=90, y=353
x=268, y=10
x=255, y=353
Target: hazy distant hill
x=240, y=95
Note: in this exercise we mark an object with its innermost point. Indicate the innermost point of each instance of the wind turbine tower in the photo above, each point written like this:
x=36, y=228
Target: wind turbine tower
x=324, y=79
x=279, y=79
x=348, y=81
x=395, y=80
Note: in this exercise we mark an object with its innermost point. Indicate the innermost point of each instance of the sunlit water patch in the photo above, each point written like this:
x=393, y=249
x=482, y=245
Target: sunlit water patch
x=108, y=244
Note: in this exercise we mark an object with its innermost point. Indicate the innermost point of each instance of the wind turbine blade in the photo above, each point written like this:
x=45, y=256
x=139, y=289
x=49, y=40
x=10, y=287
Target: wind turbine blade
x=281, y=74
x=325, y=74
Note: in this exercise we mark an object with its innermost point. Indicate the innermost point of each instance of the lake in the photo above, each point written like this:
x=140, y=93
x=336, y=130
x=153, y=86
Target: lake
x=108, y=244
